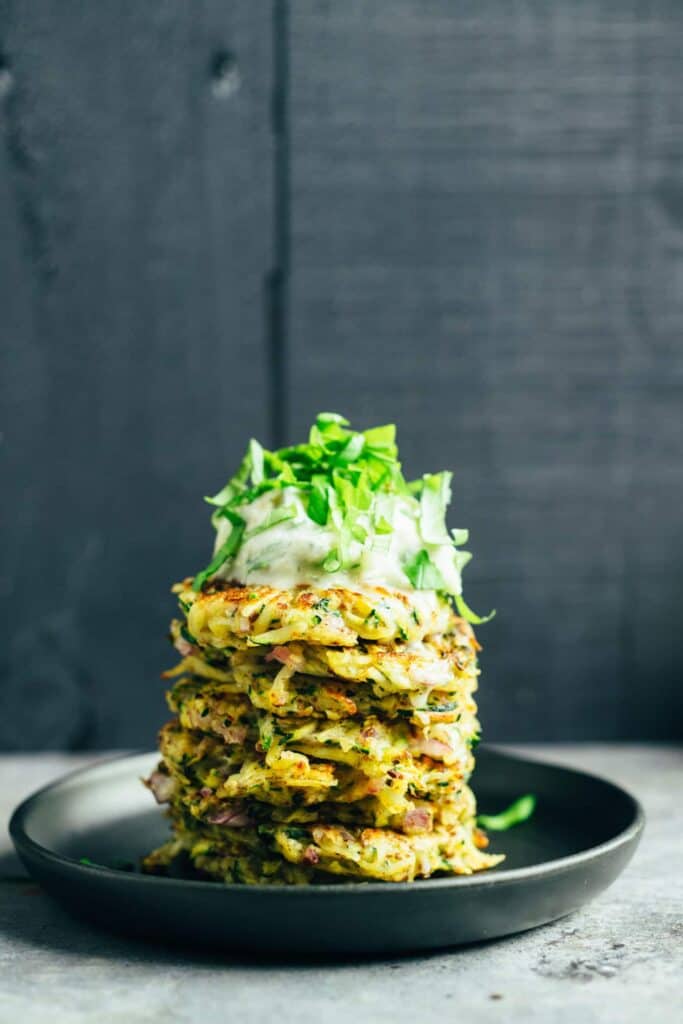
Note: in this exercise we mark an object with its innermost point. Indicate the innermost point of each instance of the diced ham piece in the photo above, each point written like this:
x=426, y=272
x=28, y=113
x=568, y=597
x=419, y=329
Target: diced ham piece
x=162, y=786
x=281, y=654
x=431, y=748
x=232, y=816
x=235, y=733
x=418, y=819
x=311, y=855
x=183, y=646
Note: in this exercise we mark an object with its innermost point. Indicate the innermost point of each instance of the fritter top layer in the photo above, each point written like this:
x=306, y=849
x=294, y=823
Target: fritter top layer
x=224, y=615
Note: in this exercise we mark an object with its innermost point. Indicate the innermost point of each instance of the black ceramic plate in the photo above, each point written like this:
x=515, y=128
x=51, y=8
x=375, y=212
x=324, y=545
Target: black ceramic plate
x=583, y=833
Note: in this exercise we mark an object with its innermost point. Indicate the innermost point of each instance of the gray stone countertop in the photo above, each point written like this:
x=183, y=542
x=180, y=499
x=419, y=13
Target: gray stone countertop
x=618, y=960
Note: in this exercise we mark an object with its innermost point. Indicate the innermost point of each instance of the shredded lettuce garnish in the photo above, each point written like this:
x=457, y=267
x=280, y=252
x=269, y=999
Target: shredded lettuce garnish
x=350, y=482
x=521, y=810
x=434, y=500
x=466, y=612
x=422, y=572
x=278, y=515
x=226, y=550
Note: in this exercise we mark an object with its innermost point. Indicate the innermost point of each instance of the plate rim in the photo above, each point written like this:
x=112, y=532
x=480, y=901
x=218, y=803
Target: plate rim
x=23, y=842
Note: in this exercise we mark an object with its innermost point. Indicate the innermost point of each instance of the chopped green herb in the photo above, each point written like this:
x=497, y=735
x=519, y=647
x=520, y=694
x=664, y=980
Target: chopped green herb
x=373, y=618
x=262, y=561
x=297, y=833
x=521, y=810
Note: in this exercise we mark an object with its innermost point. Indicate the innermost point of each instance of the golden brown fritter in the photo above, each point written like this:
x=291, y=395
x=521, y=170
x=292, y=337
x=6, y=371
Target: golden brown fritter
x=320, y=735
x=290, y=778
x=223, y=615
x=304, y=697
x=255, y=855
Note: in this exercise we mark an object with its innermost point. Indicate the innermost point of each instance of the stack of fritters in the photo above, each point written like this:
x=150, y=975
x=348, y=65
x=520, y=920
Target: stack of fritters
x=320, y=733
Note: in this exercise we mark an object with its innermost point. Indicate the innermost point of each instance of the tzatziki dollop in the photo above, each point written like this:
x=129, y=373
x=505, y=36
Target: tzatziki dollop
x=294, y=550
x=336, y=511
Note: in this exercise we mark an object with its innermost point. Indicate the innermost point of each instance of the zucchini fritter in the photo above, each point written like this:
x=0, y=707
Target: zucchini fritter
x=257, y=854
x=292, y=761
x=224, y=615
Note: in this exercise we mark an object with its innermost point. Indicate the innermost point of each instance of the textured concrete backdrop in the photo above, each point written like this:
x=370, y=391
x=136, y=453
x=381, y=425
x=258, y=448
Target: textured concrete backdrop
x=217, y=218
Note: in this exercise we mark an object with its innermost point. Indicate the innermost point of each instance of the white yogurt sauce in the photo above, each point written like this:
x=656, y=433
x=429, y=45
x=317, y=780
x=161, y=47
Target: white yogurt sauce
x=292, y=552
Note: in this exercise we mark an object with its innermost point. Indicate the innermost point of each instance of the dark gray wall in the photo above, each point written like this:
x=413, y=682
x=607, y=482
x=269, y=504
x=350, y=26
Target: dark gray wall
x=136, y=203
x=218, y=218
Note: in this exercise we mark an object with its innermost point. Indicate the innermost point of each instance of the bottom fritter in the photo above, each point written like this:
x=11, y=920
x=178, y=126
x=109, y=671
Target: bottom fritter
x=301, y=855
